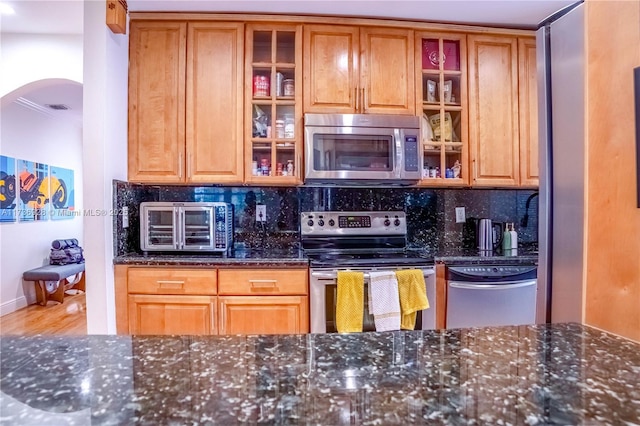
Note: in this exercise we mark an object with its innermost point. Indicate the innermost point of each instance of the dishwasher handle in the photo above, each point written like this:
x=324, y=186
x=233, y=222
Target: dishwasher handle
x=479, y=286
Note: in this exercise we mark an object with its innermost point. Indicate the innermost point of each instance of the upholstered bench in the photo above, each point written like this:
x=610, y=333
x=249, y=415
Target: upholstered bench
x=53, y=280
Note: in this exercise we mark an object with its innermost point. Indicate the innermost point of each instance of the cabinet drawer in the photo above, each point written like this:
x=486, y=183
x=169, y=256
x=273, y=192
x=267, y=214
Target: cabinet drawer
x=172, y=281
x=261, y=281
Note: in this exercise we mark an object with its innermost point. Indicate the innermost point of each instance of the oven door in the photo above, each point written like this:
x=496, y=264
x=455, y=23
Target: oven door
x=324, y=288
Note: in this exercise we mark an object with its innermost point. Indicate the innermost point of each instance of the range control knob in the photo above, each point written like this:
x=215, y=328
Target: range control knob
x=332, y=222
x=495, y=269
x=387, y=222
x=310, y=222
x=321, y=222
x=396, y=222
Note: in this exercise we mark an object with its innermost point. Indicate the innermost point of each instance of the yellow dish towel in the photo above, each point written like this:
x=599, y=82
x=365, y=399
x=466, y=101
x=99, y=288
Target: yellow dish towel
x=413, y=296
x=350, y=301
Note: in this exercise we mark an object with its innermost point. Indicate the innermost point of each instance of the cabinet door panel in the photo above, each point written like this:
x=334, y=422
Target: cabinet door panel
x=156, y=101
x=214, y=102
x=528, y=96
x=154, y=314
x=263, y=314
x=493, y=110
x=329, y=66
x=387, y=70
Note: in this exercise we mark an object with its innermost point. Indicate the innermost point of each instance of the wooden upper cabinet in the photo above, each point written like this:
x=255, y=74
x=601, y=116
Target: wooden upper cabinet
x=387, y=83
x=493, y=110
x=528, y=97
x=157, y=101
x=330, y=68
x=358, y=70
x=214, y=116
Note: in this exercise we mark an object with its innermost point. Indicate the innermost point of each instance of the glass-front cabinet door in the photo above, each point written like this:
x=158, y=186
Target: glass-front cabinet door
x=442, y=102
x=273, y=113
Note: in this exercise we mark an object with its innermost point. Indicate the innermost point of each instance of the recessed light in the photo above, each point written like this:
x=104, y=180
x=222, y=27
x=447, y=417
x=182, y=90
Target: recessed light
x=5, y=9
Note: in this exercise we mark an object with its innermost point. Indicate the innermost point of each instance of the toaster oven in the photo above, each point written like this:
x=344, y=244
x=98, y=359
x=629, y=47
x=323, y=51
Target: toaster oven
x=192, y=226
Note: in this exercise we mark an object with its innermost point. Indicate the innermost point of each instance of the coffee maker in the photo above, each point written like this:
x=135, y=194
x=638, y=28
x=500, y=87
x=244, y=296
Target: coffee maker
x=482, y=234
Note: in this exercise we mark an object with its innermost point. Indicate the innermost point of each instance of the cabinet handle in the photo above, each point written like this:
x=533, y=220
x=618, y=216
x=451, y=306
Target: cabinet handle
x=364, y=101
x=475, y=172
x=180, y=164
x=213, y=318
x=355, y=94
x=189, y=159
x=263, y=283
x=170, y=284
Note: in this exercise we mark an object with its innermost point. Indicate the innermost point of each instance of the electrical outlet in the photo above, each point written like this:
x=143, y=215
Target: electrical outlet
x=460, y=216
x=125, y=217
x=261, y=213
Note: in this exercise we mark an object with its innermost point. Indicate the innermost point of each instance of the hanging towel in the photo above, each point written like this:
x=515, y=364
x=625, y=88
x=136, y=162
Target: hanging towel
x=384, y=302
x=413, y=296
x=350, y=301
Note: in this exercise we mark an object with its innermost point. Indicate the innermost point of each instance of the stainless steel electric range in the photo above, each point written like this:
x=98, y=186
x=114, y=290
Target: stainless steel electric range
x=360, y=241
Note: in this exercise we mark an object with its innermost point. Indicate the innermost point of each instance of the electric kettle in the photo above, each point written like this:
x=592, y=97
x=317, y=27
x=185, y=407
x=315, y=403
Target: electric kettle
x=489, y=235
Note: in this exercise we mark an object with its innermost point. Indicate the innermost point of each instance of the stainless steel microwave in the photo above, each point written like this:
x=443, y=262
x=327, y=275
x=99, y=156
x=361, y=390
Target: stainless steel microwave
x=186, y=226
x=362, y=148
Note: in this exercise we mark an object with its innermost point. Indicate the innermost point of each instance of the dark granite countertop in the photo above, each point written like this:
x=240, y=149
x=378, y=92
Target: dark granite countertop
x=286, y=257
x=527, y=375
x=473, y=256
x=294, y=257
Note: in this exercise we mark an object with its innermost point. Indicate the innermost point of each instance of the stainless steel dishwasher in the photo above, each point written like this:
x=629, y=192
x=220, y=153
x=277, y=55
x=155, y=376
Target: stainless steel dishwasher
x=491, y=295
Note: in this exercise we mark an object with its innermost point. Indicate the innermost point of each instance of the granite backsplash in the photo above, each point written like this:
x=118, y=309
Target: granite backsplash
x=430, y=212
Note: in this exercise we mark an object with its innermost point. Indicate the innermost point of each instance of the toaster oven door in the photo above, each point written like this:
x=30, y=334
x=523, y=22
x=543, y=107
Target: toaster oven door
x=159, y=228
x=197, y=228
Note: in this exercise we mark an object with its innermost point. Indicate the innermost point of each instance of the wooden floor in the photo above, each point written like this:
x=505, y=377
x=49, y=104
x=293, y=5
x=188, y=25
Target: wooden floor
x=68, y=318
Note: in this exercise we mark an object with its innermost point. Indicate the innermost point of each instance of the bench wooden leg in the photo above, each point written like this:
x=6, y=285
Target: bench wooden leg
x=43, y=296
x=41, y=293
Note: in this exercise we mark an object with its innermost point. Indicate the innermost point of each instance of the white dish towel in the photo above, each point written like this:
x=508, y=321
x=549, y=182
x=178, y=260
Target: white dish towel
x=384, y=301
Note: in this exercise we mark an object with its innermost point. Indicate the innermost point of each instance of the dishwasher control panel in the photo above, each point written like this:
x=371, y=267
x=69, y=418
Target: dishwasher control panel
x=490, y=272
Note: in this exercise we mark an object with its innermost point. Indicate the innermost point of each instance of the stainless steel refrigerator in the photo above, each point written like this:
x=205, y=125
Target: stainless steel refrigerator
x=561, y=115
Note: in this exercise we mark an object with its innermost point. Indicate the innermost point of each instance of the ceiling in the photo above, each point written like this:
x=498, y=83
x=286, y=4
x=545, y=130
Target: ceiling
x=66, y=17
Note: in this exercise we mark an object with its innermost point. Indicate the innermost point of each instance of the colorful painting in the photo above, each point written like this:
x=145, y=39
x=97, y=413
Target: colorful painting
x=8, y=189
x=34, y=191
x=62, y=193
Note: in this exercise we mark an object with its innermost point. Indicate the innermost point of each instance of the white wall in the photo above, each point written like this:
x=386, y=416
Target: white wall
x=31, y=135
x=25, y=58
x=106, y=61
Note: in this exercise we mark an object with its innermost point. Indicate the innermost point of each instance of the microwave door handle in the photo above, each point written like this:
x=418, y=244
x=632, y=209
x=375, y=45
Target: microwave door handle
x=183, y=234
x=397, y=153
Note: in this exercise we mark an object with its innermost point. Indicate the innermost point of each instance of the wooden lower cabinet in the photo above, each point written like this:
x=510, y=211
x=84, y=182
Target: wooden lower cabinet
x=263, y=301
x=170, y=314
x=185, y=301
x=263, y=314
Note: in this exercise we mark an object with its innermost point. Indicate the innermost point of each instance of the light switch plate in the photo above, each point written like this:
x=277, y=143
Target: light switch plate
x=125, y=217
x=460, y=215
x=261, y=213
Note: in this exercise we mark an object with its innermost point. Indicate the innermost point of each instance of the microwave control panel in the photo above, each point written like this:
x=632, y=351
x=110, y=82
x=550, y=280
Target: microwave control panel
x=411, y=159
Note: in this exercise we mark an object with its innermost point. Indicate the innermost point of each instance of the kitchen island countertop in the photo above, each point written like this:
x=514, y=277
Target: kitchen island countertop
x=546, y=374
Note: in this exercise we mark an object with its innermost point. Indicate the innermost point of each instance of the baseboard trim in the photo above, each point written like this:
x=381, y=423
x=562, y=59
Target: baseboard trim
x=13, y=305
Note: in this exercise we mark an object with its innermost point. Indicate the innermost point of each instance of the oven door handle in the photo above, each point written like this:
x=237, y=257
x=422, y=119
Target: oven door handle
x=334, y=275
